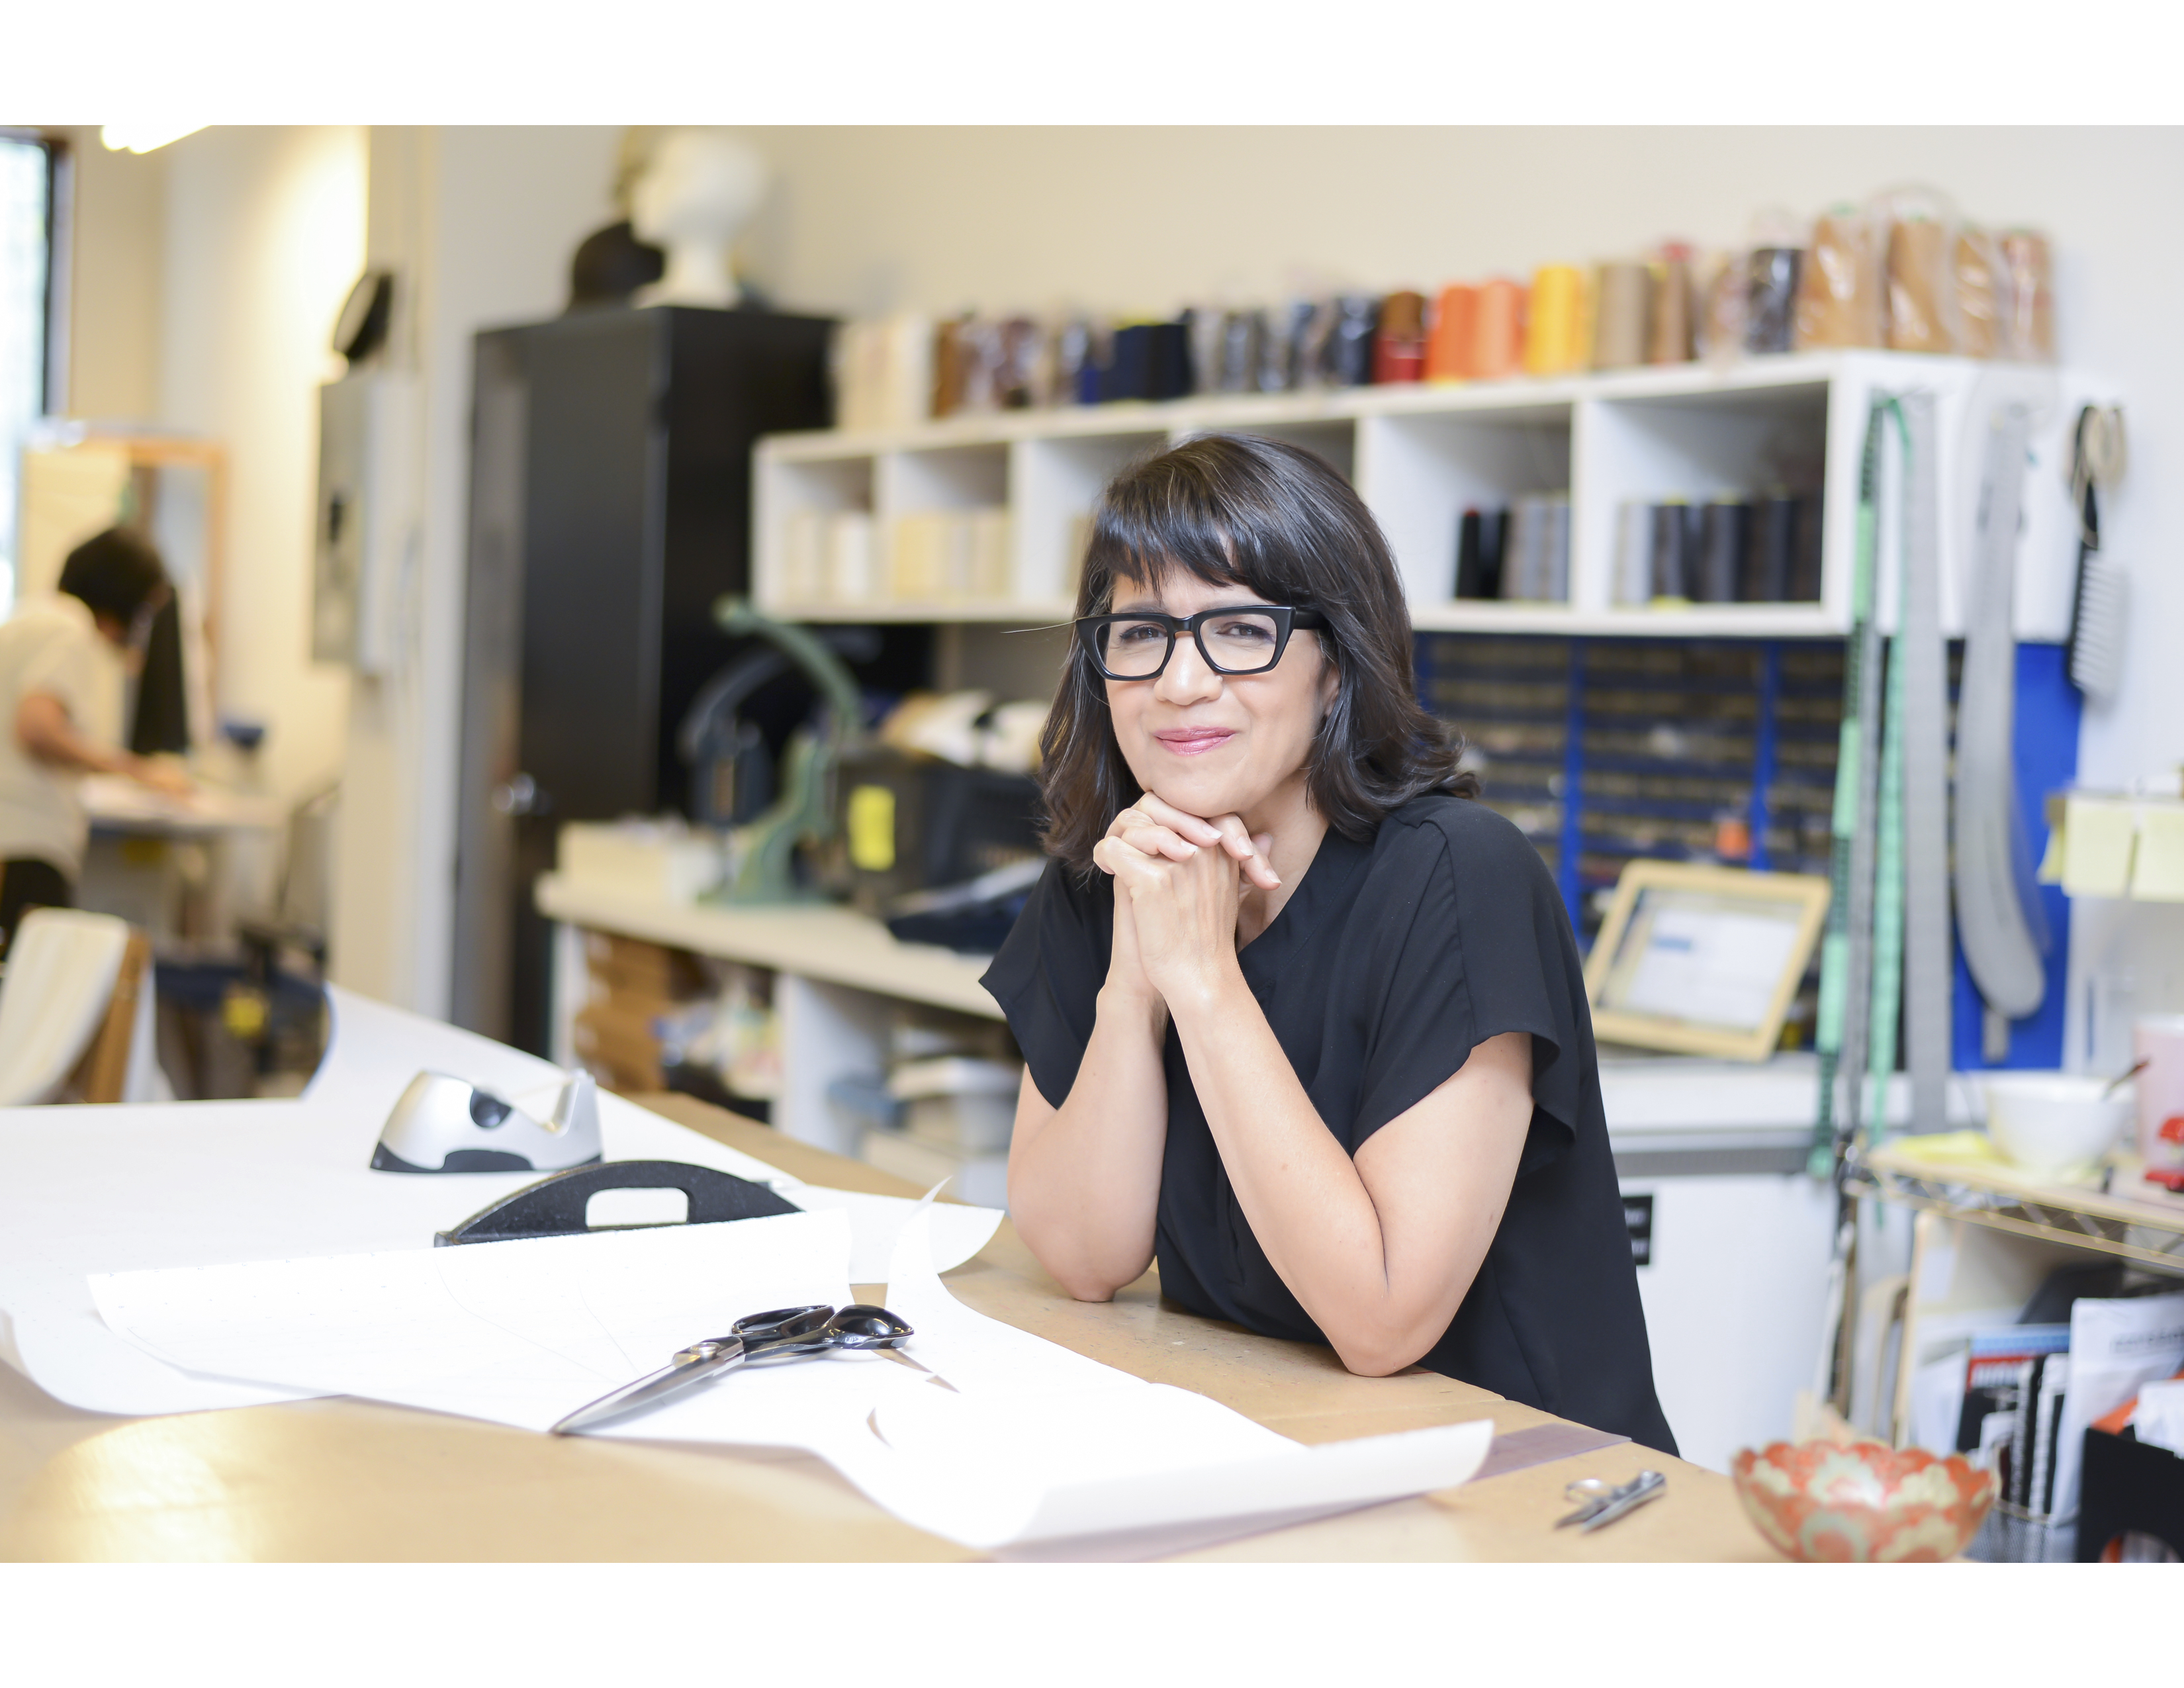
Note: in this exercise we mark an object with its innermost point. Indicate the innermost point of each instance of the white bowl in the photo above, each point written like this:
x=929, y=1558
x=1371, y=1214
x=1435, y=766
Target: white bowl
x=2050, y=1122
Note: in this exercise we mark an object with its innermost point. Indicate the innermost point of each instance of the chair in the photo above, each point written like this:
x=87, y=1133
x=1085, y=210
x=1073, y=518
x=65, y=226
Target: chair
x=76, y=1012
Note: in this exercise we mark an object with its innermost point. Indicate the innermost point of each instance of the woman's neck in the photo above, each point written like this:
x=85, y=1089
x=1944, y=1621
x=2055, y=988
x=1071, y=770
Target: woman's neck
x=1296, y=829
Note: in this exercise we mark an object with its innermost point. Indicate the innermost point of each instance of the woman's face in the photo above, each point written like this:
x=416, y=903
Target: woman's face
x=1214, y=744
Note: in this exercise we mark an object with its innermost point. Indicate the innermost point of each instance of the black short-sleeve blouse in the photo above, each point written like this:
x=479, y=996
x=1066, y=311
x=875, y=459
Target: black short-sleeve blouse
x=1391, y=960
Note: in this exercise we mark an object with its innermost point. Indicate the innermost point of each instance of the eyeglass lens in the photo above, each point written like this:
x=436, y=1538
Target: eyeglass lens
x=1239, y=643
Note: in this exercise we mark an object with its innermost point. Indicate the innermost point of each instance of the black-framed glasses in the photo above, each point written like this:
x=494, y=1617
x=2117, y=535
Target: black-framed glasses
x=1233, y=638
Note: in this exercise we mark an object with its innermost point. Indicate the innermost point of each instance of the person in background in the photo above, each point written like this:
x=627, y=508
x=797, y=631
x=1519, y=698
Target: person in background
x=63, y=661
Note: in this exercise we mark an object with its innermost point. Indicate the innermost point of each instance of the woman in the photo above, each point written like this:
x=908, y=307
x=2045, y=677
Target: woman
x=1298, y=1017
x=62, y=660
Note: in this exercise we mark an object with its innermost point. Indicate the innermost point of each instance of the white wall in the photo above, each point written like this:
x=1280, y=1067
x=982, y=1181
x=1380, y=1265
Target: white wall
x=478, y=226
x=263, y=237
x=1145, y=219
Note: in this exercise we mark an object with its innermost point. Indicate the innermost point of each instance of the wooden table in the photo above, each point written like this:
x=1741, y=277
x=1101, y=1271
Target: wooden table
x=341, y=1478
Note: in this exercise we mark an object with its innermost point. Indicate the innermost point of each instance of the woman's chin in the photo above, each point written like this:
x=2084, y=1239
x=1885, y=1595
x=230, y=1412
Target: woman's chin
x=1206, y=797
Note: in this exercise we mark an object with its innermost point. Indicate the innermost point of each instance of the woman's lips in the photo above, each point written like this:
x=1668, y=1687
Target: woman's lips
x=1194, y=741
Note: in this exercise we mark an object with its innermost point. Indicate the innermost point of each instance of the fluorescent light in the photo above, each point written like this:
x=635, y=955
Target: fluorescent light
x=143, y=136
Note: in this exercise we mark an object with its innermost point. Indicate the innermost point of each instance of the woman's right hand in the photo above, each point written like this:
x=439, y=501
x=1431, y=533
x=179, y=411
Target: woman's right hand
x=1155, y=829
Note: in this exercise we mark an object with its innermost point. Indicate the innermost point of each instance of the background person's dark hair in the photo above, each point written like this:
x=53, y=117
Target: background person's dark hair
x=1281, y=524
x=115, y=574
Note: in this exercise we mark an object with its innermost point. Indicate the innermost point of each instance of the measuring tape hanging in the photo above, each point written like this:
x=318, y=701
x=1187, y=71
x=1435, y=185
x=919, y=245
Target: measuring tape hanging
x=1841, y=1024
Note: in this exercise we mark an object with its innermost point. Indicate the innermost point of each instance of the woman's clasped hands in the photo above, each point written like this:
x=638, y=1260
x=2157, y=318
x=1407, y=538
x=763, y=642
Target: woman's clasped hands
x=1182, y=882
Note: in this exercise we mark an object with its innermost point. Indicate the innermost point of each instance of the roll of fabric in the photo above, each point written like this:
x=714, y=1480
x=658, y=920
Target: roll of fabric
x=1805, y=557
x=1626, y=292
x=1721, y=550
x=2028, y=332
x=1976, y=274
x=1918, y=287
x=1242, y=334
x=1671, y=577
x=950, y=367
x=1555, y=549
x=1724, y=307
x=1279, y=350
x=1634, y=551
x=1772, y=301
x=1771, y=549
x=1839, y=284
x=1554, y=342
x=1398, y=348
x=1522, y=566
x=1668, y=333
x=1497, y=341
x=1449, y=346
x=1478, y=554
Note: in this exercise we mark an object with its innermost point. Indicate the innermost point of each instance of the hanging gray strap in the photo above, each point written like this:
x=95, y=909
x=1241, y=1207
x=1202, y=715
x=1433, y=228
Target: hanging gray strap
x=2002, y=946
x=1926, y=959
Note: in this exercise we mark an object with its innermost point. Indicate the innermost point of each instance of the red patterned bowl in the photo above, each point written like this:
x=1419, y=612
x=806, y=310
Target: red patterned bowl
x=1861, y=1502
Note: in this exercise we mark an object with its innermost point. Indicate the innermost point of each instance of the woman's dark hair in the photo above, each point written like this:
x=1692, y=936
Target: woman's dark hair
x=115, y=574
x=1279, y=523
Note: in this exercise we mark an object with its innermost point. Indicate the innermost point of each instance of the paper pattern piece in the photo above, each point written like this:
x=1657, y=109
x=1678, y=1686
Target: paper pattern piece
x=1025, y=1447
x=103, y=1190
x=517, y=1332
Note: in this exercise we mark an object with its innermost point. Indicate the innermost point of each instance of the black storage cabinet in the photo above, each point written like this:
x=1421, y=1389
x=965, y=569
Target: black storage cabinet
x=611, y=505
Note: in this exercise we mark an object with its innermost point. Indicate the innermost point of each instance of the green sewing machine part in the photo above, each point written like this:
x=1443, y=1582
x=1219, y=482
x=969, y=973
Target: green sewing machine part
x=762, y=854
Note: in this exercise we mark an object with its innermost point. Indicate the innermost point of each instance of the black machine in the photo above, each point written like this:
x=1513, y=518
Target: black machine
x=610, y=508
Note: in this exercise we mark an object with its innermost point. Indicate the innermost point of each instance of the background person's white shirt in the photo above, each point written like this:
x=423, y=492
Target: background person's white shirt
x=51, y=644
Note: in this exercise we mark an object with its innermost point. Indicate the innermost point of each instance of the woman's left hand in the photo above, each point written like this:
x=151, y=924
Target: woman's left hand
x=1184, y=912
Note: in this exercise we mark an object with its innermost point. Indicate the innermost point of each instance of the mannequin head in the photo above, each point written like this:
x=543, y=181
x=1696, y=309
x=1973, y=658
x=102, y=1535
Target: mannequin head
x=693, y=199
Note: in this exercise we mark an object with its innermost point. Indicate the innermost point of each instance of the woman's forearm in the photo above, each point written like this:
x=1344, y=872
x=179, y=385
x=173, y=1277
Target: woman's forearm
x=1084, y=1179
x=1380, y=1304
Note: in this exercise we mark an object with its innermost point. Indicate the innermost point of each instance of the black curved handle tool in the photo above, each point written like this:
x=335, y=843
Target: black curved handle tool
x=554, y=1205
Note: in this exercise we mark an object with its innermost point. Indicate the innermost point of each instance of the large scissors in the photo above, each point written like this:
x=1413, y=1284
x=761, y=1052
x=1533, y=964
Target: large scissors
x=784, y=1334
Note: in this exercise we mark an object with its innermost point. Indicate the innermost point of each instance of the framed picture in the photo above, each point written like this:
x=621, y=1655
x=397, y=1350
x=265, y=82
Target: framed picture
x=1703, y=961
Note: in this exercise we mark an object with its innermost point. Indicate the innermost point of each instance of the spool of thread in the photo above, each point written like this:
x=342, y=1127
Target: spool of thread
x=1626, y=292
x=1918, y=282
x=1668, y=339
x=1839, y=285
x=1671, y=578
x=1449, y=346
x=1976, y=276
x=1278, y=350
x=1772, y=303
x=1634, y=551
x=1554, y=335
x=1497, y=341
x=1355, y=324
x=1721, y=549
x=1399, y=349
x=2029, y=316
x=1236, y=369
x=1478, y=554
x=1770, y=549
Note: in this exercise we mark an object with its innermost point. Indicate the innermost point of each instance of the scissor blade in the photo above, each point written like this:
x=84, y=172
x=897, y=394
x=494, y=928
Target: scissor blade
x=1635, y=1493
x=648, y=1388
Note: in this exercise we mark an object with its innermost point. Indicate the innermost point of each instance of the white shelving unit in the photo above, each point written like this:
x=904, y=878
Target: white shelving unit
x=1420, y=454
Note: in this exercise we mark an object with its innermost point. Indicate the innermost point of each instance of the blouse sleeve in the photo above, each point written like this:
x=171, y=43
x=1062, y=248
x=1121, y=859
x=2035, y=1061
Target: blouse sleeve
x=1047, y=974
x=1485, y=948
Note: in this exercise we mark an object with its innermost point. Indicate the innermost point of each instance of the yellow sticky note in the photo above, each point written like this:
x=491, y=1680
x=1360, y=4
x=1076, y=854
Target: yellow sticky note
x=2051, y=858
x=2097, y=835
x=2158, y=871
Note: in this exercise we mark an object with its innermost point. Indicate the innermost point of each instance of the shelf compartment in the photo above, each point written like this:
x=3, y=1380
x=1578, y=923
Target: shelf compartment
x=1057, y=481
x=1421, y=472
x=1696, y=447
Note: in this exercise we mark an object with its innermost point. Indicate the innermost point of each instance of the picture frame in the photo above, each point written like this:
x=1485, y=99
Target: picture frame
x=1701, y=960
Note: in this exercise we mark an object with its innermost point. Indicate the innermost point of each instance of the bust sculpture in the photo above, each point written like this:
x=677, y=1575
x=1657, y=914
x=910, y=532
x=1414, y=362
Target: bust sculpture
x=695, y=197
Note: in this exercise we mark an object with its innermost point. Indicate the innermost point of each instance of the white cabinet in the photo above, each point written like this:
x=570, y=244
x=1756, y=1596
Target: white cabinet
x=1420, y=455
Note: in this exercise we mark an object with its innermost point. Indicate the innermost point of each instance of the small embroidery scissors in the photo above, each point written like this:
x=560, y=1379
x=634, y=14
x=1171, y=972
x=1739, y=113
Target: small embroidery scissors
x=1604, y=1505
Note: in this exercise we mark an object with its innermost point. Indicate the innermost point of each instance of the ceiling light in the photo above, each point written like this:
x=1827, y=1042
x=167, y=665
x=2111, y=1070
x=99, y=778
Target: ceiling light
x=143, y=138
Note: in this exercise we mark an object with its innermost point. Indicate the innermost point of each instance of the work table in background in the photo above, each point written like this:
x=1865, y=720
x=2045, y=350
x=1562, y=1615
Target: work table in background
x=349, y=1480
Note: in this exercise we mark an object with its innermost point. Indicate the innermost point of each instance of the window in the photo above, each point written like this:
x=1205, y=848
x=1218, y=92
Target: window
x=28, y=173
